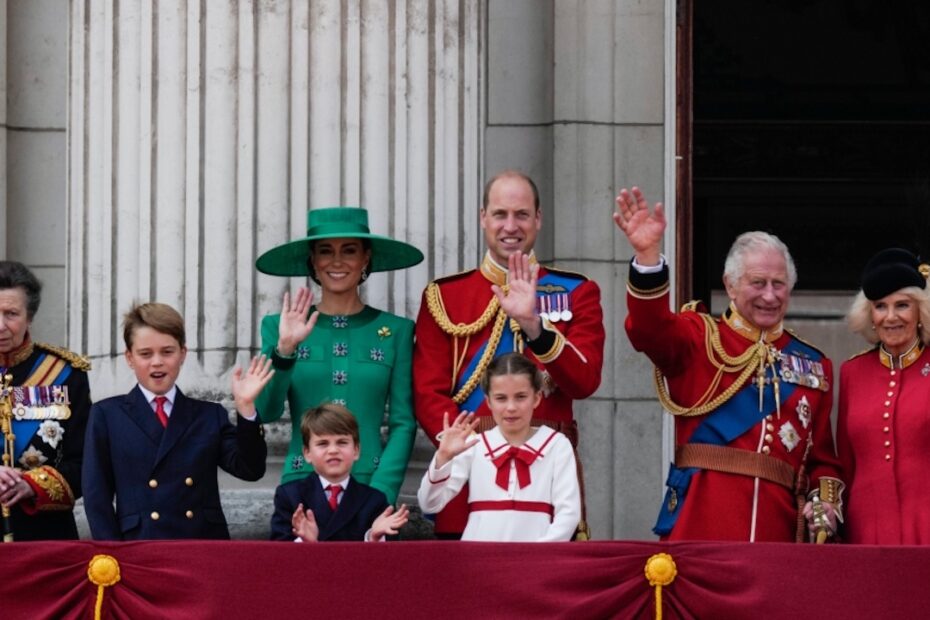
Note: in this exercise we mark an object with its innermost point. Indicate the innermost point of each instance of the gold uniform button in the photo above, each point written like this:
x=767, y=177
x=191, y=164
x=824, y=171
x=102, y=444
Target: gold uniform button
x=153, y=483
x=770, y=427
x=766, y=449
x=769, y=417
x=768, y=438
x=155, y=516
x=886, y=429
x=891, y=384
x=887, y=444
x=189, y=482
x=886, y=415
x=890, y=394
x=189, y=514
x=893, y=373
x=887, y=403
x=887, y=457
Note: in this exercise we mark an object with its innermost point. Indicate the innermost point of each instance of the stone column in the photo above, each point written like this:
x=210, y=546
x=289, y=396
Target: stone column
x=201, y=132
x=33, y=71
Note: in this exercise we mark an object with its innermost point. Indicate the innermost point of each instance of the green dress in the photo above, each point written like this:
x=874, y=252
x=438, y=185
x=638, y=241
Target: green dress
x=362, y=361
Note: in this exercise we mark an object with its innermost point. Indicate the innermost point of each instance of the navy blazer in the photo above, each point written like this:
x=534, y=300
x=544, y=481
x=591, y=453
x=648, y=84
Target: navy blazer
x=356, y=512
x=164, y=479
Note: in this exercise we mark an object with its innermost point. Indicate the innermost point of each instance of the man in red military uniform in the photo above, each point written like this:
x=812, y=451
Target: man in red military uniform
x=752, y=402
x=510, y=303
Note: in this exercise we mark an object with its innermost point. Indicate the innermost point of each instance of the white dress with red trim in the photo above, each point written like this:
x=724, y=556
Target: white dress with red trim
x=515, y=494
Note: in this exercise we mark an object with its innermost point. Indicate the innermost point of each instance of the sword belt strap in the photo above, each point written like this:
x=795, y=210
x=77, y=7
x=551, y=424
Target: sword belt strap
x=735, y=461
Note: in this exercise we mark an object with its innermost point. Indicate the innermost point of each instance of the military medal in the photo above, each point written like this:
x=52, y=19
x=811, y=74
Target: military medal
x=555, y=315
x=566, y=313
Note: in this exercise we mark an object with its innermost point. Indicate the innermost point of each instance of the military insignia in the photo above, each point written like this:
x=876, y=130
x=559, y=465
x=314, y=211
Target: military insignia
x=789, y=436
x=804, y=411
x=339, y=401
x=340, y=349
x=672, y=500
x=32, y=458
x=297, y=462
x=384, y=332
x=340, y=377
x=41, y=402
x=377, y=355
x=303, y=352
x=340, y=321
x=803, y=371
x=550, y=288
x=51, y=432
x=925, y=370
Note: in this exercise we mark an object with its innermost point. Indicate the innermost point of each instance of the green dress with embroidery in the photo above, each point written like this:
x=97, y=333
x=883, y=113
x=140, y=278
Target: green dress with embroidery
x=362, y=361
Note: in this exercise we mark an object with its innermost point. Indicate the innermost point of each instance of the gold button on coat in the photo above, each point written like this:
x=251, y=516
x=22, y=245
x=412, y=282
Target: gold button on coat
x=189, y=482
x=155, y=516
x=153, y=483
x=189, y=514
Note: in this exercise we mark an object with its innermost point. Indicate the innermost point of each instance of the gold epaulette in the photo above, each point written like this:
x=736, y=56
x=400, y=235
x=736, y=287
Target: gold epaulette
x=692, y=306
x=77, y=361
x=452, y=276
x=799, y=339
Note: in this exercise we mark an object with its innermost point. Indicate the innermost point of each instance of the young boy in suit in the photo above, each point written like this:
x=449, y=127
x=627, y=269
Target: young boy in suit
x=157, y=450
x=330, y=504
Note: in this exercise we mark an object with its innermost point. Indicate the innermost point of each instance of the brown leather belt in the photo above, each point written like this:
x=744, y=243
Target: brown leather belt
x=735, y=461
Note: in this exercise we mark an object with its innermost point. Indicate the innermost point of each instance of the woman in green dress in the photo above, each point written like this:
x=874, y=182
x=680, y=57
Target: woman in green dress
x=341, y=350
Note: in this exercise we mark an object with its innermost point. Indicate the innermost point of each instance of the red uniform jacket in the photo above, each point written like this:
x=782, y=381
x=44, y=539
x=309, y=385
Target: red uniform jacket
x=570, y=352
x=724, y=506
x=882, y=435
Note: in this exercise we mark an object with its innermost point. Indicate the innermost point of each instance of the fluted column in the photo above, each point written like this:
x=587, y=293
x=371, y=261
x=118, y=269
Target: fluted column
x=201, y=132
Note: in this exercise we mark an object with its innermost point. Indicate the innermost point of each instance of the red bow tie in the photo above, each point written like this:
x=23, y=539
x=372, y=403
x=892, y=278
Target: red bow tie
x=522, y=459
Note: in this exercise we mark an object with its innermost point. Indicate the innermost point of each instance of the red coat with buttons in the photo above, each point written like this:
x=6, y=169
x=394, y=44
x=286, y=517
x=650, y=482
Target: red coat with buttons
x=722, y=506
x=883, y=432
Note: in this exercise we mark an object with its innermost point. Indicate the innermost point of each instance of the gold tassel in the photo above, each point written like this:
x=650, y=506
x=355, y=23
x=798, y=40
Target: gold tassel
x=103, y=571
x=660, y=571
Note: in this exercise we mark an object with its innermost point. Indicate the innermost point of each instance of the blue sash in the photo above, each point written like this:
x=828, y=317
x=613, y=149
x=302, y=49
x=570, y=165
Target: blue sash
x=733, y=418
x=26, y=429
x=551, y=280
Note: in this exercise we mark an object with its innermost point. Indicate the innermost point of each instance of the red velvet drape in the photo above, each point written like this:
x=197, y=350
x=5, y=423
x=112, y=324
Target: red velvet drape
x=463, y=580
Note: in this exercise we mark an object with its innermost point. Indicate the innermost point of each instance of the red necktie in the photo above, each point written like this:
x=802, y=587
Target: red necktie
x=522, y=459
x=160, y=410
x=334, y=490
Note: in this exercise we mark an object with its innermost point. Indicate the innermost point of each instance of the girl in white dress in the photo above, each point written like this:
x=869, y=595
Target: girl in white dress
x=522, y=480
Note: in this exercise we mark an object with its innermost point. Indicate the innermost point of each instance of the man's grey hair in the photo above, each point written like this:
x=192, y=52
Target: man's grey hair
x=750, y=243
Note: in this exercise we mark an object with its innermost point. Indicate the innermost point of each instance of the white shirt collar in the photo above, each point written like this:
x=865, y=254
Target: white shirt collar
x=341, y=483
x=150, y=397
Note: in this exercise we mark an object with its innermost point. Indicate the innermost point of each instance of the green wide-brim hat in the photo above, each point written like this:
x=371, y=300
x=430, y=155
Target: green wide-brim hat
x=291, y=258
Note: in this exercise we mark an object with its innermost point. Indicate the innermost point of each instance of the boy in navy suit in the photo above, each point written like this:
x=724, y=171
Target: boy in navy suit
x=330, y=504
x=157, y=450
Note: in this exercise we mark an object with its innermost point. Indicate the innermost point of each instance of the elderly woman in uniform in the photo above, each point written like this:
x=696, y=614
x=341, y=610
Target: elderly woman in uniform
x=884, y=405
x=45, y=399
x=342, y=350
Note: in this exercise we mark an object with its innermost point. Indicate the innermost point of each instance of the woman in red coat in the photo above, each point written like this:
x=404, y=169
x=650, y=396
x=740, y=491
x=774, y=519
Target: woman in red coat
x=884, y=411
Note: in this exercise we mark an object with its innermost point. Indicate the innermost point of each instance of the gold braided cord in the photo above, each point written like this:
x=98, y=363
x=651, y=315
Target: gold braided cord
x=746, y=364
x=438, y=310
x=486, y=358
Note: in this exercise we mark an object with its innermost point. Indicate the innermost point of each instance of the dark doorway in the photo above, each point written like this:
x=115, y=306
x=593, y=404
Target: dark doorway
x=811, y=120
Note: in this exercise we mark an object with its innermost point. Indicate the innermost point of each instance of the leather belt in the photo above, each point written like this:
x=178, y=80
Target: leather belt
x=735, y=461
